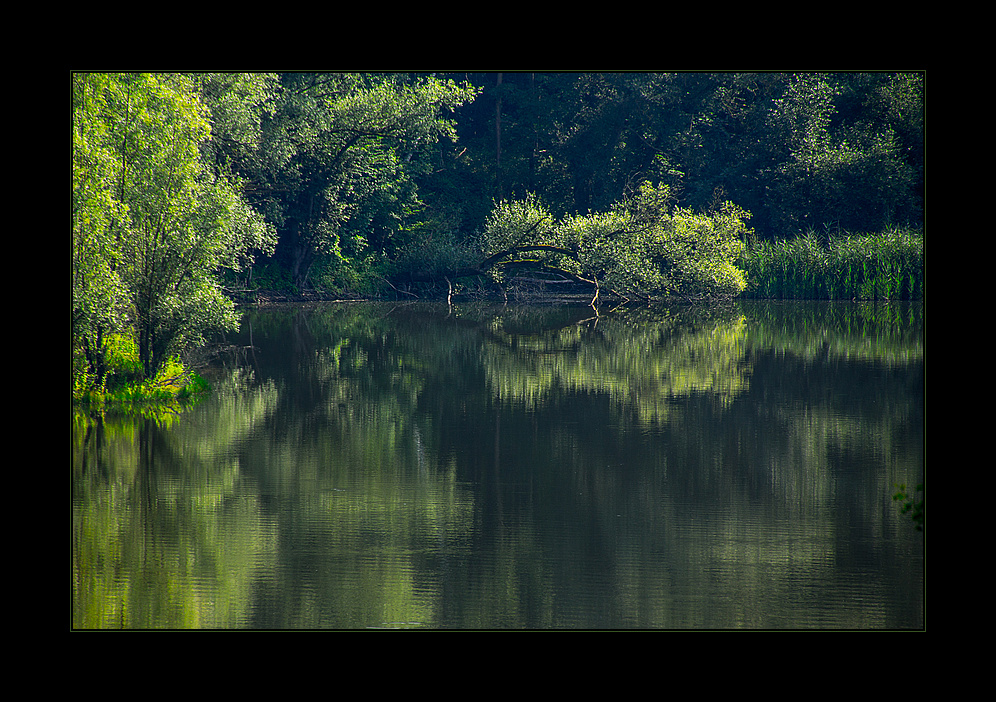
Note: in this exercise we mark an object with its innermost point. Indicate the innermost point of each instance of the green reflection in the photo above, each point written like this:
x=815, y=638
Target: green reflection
x=480, y=466
x=165, y=535
x=642, y=359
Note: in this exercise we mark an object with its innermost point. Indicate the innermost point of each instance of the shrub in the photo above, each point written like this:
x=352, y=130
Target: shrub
x=124, y=385
x=121, y=358
x=644, y=246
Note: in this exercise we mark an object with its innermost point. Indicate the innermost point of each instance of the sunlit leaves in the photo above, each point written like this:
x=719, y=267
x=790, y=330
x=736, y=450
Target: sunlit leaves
x=514, y=223
x=644, y=246
x=96, y=210
x=153, y=223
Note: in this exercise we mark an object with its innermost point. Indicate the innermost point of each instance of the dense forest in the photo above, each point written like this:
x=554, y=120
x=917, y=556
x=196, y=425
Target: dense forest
x=191, y=190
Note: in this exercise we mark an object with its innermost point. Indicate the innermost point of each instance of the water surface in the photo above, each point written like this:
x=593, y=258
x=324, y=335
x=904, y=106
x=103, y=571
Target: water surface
x=372, y=465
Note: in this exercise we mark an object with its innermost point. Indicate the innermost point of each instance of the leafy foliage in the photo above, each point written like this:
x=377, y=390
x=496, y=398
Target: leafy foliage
x=352, y=146
x=795, y=150
x=125, y=386
x=153, y=223
x=644, y=246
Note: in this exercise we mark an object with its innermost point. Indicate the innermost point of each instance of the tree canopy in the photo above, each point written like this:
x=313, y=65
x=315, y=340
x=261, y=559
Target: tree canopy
x=583, y=140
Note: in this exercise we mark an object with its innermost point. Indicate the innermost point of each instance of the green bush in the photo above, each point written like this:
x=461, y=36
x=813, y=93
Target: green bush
x=432, y=251
x=272, y=276
x=121, y=358
x=644, y=246
x=124, y=384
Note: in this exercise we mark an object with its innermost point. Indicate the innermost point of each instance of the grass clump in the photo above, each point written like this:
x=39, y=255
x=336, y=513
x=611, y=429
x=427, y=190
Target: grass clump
x=124, y=387
x=883, y=266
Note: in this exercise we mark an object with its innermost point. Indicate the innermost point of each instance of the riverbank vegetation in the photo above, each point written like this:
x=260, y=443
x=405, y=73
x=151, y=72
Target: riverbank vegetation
x=124, y=387
x=153, y=222
x=192, y=192
x=837, y=266
x=645, y=247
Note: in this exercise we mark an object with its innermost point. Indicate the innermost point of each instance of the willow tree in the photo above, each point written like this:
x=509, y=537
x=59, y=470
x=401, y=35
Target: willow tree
x=643, y=247
x=98, y=295
x=153, y=225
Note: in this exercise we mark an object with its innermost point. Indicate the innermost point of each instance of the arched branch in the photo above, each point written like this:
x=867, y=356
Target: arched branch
x=490, y=261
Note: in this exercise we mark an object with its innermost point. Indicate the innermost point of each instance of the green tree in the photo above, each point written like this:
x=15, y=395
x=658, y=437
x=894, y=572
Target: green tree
x=98, y=294
x=849, y=173
x=352, y=144
x=359, y=173
x=153, y=224
x=796, y=150
x=239, y=105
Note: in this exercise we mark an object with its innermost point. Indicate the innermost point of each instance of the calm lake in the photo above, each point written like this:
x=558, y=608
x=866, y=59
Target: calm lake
x=480, y=466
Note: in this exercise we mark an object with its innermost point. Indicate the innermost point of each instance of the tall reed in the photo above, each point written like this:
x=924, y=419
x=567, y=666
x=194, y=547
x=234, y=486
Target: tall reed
x=884, y=266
